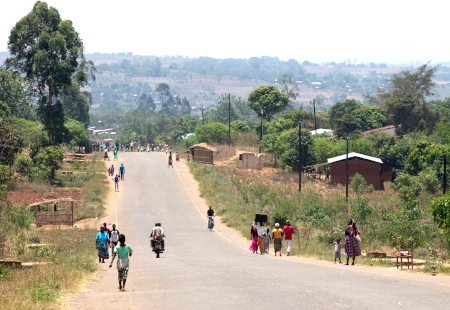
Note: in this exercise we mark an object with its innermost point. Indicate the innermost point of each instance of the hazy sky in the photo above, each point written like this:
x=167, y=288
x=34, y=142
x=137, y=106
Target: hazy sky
x=394, y=31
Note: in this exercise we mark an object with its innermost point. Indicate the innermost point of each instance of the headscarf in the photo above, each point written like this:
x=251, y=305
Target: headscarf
x=277, y=225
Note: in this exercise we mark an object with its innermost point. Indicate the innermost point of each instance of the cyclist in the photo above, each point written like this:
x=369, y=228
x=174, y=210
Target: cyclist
x=210, y=214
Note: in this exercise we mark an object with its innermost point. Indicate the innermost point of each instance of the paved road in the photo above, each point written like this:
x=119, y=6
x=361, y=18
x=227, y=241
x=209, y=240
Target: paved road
x=214, y=270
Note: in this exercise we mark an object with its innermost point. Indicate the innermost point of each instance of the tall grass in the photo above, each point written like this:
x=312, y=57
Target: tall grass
x=69, y=258
x=67, y=255
x=319, y=213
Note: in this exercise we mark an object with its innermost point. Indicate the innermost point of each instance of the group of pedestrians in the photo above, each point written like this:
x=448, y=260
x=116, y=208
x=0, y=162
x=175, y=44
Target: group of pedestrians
x=118, y=177
x=107, y=238
x=261, y=238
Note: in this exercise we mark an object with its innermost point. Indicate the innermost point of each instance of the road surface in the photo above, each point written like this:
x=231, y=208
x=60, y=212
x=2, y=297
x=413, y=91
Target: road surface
x=215, y=270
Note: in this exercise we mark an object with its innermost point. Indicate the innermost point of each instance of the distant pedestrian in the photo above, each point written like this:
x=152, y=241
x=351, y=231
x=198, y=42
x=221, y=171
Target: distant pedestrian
x=351, y=244
x=277, y=236
x=124, y=251
x=116, y=157
x=122, y=172
x=116, y=183
x=268, y=238
x=109, y=171
x=337, y=250
x=288, y=230
x=112, y=169
x=254, y=235
x=261, y=238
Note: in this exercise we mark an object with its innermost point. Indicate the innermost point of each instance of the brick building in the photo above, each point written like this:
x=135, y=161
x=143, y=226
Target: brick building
x=367, y=166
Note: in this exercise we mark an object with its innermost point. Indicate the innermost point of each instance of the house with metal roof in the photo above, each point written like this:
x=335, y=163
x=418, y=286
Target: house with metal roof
x=367, y=166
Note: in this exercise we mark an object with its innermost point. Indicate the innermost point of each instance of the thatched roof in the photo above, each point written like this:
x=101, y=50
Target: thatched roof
x=205, y=146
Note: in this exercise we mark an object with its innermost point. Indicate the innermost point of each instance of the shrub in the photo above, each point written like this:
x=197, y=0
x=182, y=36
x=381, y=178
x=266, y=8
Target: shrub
x=429, y=181
x=407, y=186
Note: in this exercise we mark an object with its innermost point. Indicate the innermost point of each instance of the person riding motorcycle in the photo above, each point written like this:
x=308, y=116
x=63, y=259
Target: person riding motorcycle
x=157, y=234
x=210, y=214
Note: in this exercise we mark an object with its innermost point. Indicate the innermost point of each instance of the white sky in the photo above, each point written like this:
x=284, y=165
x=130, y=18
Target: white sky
x=395, y=31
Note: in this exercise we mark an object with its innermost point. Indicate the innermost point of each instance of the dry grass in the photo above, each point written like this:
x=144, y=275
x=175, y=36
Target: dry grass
x=69, y=260
x=237, y=194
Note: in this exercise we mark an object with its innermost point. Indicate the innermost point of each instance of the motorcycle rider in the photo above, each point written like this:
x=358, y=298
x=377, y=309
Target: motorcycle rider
x=157, y=234
x=210, y=214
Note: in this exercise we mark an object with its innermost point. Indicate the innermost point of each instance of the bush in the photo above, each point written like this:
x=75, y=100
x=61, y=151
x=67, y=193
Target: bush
x=430, y=181
x=407, y=186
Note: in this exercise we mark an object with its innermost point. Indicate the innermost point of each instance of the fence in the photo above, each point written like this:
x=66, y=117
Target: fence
x=53, y=218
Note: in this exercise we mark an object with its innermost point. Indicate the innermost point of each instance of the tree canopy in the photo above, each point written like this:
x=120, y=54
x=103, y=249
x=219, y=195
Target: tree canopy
x=268, y=99
x=49, y=52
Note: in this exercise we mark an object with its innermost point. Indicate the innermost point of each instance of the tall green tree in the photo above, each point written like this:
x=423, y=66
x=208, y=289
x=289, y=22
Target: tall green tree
x=404, y=99
x=146, y=104
x=76, y=103
x=15, y=92
x=49, y=53
x=268, y=99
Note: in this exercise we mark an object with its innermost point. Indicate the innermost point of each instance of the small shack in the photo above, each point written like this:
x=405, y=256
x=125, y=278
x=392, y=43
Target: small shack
x=367, y=166
x=249, y=160
x=53, y=211
x=202, y=153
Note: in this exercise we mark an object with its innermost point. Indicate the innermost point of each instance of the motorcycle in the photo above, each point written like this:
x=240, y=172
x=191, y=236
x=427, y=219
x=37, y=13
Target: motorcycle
x=157, y=246
x=210, y=222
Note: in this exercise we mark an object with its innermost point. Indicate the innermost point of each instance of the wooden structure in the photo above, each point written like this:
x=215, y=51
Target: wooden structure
x=202, y=153
x=367, y=166
x=54, y=212
x=406, y=258
x=249, y=160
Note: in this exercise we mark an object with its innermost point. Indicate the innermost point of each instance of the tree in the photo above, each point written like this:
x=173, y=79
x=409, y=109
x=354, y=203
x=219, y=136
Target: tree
x=49, y=52
x=212, y=133
x=289, y=87
x=404, y=99
x=15, y=92
x=76, y=103
x=77, y=133
x=10, y=138
x=146, y=104
x=268, y=99
x=440, y=209
x=339, y=109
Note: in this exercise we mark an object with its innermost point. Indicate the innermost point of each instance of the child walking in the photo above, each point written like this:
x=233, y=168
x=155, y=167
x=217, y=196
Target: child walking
x=337, y=250
x=267, y=240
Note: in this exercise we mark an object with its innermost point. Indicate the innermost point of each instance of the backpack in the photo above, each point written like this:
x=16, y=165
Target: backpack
x=347, y=233
x=116, y=179
x=157, y=233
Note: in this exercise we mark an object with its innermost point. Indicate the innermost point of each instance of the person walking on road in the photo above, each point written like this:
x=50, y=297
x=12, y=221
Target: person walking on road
x=261, y=238
x=112, y=169
x=268, y=238
x=101, y=244
x=113, y=237
x=122, y=172
x=116, y=183
x=254, y=235
x=123, y=253
x=277, y=236
x=351, y=244
x=288, y=230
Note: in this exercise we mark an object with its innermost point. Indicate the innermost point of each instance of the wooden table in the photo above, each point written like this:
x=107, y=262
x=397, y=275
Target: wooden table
x=408, y=262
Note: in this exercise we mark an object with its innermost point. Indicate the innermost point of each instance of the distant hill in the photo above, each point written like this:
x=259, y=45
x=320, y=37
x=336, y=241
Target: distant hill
x=122, y=77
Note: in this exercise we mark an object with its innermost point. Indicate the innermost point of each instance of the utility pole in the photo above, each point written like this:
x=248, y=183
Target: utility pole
x=260, y=137
x=346, y=175
x=299, y=157
x=229, y=120
x=203, y=120
x=314, y=108
x=445, y=173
